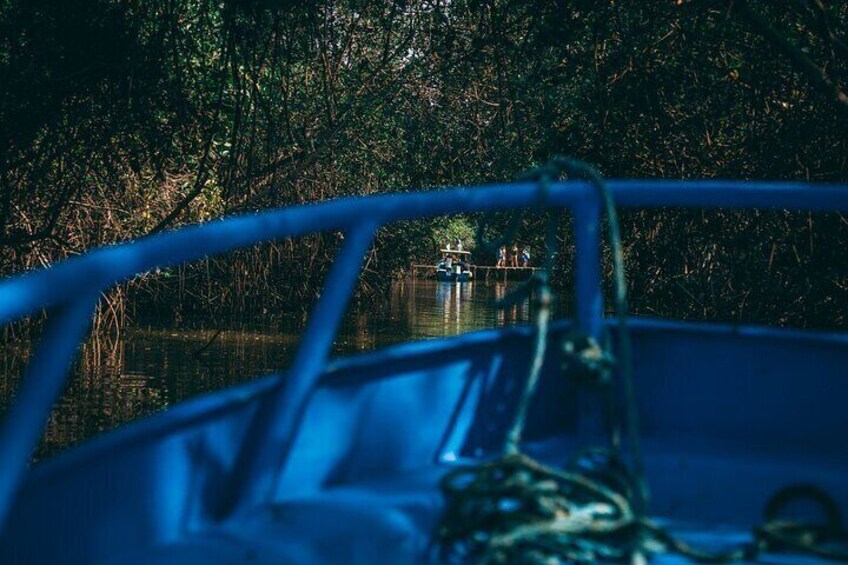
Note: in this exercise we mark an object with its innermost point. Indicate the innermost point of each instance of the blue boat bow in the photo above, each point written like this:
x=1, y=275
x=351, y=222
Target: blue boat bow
x=339, y=461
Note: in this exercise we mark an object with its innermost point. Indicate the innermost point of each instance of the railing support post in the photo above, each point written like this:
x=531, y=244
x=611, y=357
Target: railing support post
x=39, y=390
x=270, y=434
x=589, y=309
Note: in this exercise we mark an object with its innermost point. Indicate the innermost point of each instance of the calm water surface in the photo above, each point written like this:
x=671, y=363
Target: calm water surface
x=149, y=369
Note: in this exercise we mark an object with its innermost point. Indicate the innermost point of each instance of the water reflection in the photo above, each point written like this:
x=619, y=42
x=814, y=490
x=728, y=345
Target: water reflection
x=149, y=369
x=515, y=313
x=427, y=309
x=463, y=311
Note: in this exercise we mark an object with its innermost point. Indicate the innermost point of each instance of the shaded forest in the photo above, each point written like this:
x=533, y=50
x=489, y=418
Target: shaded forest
x=124, y=118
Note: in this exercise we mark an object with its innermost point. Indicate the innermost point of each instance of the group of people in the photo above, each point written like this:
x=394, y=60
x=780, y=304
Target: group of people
x=506, y=258
x=458, y=245
x=450, y=260
x=513, y=258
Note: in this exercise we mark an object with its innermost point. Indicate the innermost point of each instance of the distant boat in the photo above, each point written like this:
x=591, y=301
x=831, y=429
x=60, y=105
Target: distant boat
x=340, y=461
x=457, y=271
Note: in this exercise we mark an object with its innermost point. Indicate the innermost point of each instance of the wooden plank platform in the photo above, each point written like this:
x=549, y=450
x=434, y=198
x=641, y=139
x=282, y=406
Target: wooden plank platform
x=487, y=271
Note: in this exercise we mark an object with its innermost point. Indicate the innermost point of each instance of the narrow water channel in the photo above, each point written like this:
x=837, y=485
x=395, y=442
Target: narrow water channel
x=151, y=368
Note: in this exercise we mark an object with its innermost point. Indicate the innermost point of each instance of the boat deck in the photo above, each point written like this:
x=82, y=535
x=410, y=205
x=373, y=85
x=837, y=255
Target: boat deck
x=399, y=514
x=382, y=428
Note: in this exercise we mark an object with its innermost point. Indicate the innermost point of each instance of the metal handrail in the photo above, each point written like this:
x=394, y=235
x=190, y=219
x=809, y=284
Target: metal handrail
x=101, y=268
x=70, y=289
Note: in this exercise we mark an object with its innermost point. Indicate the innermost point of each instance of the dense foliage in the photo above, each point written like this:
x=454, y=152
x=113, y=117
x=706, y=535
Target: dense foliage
x=122, y=118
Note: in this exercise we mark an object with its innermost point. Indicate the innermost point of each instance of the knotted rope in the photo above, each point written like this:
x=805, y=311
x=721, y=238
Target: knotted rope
x=517, y=510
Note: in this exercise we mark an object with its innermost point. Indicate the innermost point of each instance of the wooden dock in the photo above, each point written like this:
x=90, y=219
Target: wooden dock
x=488, y=272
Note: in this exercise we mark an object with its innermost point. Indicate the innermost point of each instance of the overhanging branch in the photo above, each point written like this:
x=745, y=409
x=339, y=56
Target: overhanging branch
x=815, y=74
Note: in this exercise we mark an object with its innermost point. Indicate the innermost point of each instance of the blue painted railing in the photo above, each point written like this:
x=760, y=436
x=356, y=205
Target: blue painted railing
x=70, y=290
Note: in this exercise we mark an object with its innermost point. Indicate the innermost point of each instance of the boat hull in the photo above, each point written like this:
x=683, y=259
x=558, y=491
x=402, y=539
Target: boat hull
x=445, y=276
x=729, y=415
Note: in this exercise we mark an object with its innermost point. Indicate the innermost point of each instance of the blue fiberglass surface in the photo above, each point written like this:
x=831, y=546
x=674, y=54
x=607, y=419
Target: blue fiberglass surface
x=362, y=467
x=216, y=462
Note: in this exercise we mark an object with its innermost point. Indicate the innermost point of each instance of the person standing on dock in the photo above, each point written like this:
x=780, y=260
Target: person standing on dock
x=458, y=244
x=501, y=257
x=513, y=257
x=525, y=257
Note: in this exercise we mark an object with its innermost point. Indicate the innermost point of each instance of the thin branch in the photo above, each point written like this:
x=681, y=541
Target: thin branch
x=823, y=18
x=203, y=167
x=816, y=75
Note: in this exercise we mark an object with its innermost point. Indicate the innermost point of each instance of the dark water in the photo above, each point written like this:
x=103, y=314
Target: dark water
x=148, y=369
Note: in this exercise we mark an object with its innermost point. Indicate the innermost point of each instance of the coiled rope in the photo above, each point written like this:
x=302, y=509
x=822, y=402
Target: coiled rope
x=517, y=510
